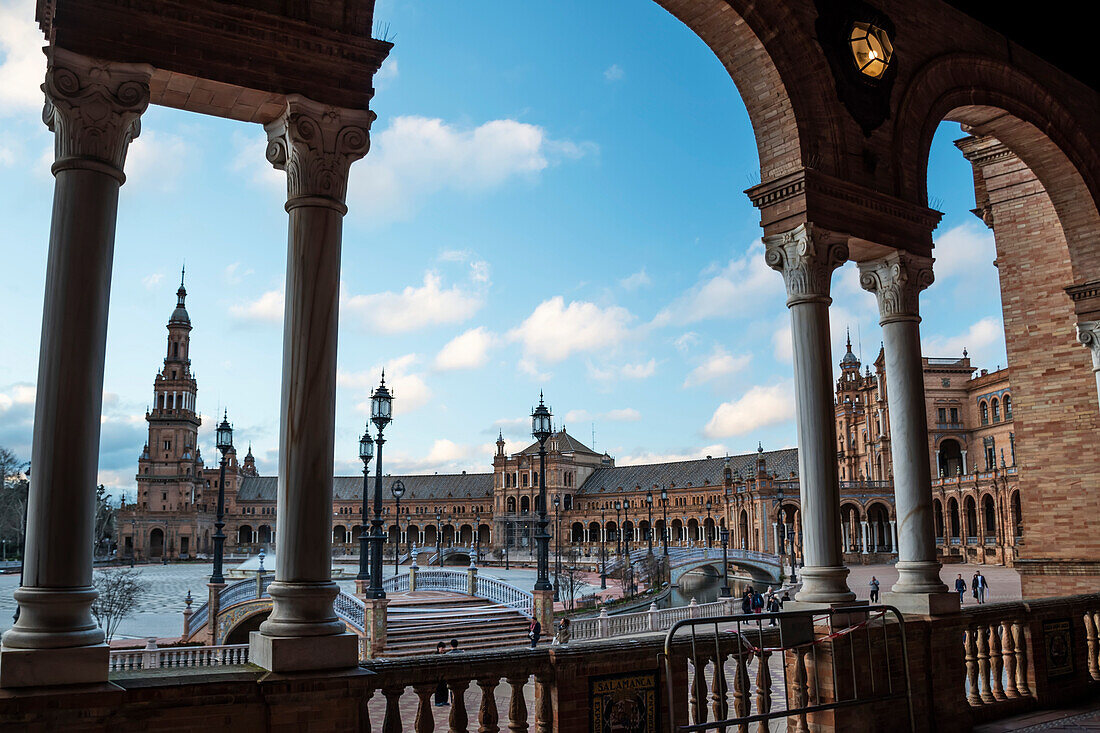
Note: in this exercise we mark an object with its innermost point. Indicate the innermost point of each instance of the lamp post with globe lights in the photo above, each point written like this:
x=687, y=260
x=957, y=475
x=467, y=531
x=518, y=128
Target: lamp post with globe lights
x=603, y=551
x=540, y=429
x=224, y=440
x=477, y=537
x=438, y=538
x=381, y=412
x=725, y=562
x=366, y=453
x=649, y=526
x=398, y=490
x=557, y=547
x=706, y=527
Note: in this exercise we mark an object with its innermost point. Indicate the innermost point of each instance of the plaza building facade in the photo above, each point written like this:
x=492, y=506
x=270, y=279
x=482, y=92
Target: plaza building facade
x=756, y=496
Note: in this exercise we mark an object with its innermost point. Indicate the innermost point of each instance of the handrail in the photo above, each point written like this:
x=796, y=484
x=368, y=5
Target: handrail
x=190, y=656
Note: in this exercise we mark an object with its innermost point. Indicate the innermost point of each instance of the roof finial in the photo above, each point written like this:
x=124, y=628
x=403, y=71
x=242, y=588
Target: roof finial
x=383, y=376
x=848, y=331
x=183, y=272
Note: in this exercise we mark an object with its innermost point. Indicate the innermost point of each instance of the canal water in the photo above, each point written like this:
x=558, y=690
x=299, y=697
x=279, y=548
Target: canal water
x=705, y=589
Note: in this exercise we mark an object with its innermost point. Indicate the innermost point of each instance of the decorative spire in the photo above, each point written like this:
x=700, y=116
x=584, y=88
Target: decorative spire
x=848, y=332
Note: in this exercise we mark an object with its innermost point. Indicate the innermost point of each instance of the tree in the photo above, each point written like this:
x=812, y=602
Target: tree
x=571, y=579
x=14, y=486
x=120, y=591
x=106, y=516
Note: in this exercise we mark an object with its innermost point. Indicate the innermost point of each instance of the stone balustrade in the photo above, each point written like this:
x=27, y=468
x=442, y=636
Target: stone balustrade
x=153, y=657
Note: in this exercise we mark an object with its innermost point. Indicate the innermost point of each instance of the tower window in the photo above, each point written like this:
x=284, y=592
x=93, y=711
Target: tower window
x=175, y=353
x=167, y=445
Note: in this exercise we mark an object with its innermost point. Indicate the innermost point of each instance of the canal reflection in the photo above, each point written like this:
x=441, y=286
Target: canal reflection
x=705, y=589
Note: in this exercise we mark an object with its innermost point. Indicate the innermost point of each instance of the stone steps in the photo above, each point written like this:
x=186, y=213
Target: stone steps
x=476, y=623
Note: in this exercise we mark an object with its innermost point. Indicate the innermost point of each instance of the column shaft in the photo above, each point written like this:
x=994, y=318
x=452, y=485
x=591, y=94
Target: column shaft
x=897, y=280
x=316, y=146
x=93, y=107
x=807, y=258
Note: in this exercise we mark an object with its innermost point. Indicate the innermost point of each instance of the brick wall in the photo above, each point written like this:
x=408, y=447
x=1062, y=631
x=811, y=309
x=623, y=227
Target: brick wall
x=1054, y=396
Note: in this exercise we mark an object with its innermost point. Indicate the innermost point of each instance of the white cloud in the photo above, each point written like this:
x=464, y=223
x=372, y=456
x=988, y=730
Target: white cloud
x=234, y=274
x=24, y=65
x=416, y=307
x=963, y=250
x=554, y=331
x=157, y=160
x=625, y=414
x=416, y=157
x=685, y=341
x=268, y=308
x=718, y=365
x=468, y=350
x=642, y=456
x=781, y=342
x=7, y=156
x=637, y=280
x=152, y=280
x=387, y=75
x=743, y=286
x=445, y=456
x=640, y=371
x=978, y=338
x=251, y=160
x=757, y=408
x=613, y=73
x=409, y=389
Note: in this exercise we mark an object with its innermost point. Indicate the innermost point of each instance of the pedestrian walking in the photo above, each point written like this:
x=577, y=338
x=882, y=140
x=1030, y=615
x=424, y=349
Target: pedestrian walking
x=960, y=588
x=534, y=631
x=874, y=589
x=441, y=696
x=746, y=600
x=774, y=606
x=983, y=587
x=974, y=586
x=757, y=602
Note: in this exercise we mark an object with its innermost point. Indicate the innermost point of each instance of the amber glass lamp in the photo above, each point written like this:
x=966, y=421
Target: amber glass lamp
x=871, y=49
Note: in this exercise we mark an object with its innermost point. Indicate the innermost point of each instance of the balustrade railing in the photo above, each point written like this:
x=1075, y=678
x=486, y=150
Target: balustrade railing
x=496, y=590
x=152, y=657
x=996, y=651
x=350, y=608
x=606, y=626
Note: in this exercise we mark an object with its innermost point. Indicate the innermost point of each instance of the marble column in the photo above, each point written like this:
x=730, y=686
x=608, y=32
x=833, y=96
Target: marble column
x=316, y=146
x=93, y=108
x=1088, y=333
x=897, y=280
x=807, y=256
x=864, y=538
x=964, y=462
x=894, y=536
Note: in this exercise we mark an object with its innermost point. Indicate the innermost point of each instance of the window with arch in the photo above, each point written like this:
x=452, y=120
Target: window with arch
x=983, y=408
x=1008, y=406
x=996, y=405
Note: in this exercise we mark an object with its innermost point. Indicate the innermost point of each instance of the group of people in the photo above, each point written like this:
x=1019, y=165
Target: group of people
x=561, y=635
x=442, y=695
x=752, y=601
x=979, y=586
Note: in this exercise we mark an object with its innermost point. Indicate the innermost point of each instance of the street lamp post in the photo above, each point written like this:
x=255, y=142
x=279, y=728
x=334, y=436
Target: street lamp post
x=438, y=538
x=725, y=562
x=706, y=527
x=366, y=453
x=477, y=538
x=626, y=546
x=557, y=547
x=618, y=528
x=507, y=540
x=540, y=429
x=665, y=532
x=224, y=441
x=381, y=412
x=649, y=526
x=790, y=545
x=603, y=553
x=398, y=490
x=133, y=537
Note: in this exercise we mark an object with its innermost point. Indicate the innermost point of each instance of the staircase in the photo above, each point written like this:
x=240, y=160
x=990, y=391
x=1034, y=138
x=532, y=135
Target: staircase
x=478, y=624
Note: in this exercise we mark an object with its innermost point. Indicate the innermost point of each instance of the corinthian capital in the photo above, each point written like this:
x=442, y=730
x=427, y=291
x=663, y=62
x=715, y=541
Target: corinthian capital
x=316, y=145
x=1088, y=333
x=807, y=257
x=897, y=280
x=94, y=109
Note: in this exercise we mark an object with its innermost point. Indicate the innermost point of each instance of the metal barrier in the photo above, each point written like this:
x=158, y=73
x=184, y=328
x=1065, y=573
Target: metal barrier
x=795, y=636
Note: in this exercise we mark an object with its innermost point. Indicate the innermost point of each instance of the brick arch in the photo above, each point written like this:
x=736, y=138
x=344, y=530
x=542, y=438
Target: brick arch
x=782, y=76
x=993, y=98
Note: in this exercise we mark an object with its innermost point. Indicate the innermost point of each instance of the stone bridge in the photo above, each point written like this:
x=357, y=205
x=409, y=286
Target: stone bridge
x=761, y=566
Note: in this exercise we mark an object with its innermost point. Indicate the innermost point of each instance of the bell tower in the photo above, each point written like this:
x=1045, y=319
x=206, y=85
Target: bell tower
x=170, y=467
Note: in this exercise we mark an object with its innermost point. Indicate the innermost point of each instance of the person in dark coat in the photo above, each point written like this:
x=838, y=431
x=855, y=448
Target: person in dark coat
x=757, y=602
x=441, y=696
x=746, y=600
x=960, y=588
x=534, y=631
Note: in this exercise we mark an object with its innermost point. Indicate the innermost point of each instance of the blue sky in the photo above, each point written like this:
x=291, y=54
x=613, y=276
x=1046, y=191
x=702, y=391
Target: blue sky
x=552, y=201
